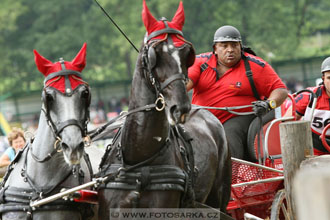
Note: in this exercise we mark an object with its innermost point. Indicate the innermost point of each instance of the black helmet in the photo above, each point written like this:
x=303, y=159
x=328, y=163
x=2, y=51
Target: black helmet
x=325, y=65
x=227, y=33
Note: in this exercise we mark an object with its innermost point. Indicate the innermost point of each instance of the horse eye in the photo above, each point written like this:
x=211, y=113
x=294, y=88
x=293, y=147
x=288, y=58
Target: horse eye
x=85, y=94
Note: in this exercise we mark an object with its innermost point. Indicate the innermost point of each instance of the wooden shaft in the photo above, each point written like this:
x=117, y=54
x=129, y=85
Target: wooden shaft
x=296, y=145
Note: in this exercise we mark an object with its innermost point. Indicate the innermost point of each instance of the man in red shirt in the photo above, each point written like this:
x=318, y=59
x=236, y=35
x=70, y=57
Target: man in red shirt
x=321, y=115
x=219, y=79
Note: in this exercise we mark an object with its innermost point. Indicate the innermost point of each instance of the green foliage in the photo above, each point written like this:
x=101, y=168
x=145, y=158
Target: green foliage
x=276, y=30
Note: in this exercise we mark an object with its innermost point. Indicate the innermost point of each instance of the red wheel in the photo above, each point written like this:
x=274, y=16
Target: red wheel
x=324, y=141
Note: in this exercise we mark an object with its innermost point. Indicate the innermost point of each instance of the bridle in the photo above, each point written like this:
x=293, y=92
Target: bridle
x=149, y=58
x=144, y=175
x=15, y=199
x=58, y=127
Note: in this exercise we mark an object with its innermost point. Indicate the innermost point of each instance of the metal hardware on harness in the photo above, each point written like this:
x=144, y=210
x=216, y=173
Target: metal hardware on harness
x=160, y=101
x=57, y=143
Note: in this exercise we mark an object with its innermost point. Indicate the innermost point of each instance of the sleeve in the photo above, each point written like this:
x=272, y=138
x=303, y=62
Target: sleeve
x=194, y=71
x=302, y=101
x=9, y=153
x=268, y=80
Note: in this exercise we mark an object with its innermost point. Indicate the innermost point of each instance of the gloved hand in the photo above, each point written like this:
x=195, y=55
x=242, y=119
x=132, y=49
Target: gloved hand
x=260, y=108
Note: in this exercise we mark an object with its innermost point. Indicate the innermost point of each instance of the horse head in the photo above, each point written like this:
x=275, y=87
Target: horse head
x=166, y=57
x=66, y=99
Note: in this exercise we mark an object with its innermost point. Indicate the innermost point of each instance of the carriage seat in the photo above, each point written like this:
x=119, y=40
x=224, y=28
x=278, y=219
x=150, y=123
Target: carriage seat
x=274, y=146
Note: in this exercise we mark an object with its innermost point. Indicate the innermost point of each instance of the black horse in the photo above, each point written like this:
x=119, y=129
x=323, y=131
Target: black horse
x=53, y=161
x=155, y=160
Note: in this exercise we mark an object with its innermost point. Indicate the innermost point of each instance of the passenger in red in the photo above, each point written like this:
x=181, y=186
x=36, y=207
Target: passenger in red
x=321, y=115
x=229, y=76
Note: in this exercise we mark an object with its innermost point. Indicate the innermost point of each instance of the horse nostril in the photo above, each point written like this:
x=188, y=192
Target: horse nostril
x=64, y=146
x=175, y=112
x=81, y=145
x=179, y=113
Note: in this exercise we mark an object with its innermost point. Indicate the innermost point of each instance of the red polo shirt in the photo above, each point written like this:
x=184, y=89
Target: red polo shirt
x=321, y=114
x=233, y=87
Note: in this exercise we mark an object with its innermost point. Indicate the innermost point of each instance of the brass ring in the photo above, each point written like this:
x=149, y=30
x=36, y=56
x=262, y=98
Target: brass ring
x=58, y=140
x=160, y=100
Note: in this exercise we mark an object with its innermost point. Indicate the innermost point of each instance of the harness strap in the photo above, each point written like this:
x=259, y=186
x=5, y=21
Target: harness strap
x=248, y=73
x=318, y=93
x=93, y=134
x=167, y=30
x=49, y=155
x=204, y=66
x=172, y=78
x=183, y=141
x=68, y=90
x=69, y=122
x=158, y=177
x=64, y=72
x=149, y=160
x=37, y=190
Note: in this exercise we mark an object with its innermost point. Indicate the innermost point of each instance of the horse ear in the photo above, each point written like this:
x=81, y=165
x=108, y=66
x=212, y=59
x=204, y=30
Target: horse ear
x=148, y=20
x=42, y=63
x=80, y=60
x=178, y=18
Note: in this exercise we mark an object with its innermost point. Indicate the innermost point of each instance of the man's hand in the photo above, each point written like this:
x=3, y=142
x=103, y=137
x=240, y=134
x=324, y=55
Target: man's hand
x=260, y=108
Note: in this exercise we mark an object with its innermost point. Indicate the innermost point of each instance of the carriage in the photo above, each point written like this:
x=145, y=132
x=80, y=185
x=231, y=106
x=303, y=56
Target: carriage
x=258, y=188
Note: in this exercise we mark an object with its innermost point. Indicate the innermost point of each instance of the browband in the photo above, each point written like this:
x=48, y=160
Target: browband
x=164, y=31
x=65, y=72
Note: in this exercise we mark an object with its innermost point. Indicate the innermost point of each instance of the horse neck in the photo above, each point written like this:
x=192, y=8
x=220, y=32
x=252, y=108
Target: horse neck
x=144, y=133
x=43, y=144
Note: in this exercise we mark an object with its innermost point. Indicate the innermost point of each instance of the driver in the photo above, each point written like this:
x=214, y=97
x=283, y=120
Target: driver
x=219, y=79
x=321, y=116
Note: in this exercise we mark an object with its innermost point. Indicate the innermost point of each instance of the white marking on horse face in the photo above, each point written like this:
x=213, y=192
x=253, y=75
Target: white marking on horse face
x=157, y=138
x=176, y=57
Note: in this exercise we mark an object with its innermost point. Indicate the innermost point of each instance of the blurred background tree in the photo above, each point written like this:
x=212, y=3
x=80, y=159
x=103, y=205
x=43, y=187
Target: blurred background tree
x=276, y=30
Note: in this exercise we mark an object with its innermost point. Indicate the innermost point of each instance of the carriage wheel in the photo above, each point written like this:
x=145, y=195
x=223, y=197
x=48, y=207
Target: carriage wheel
x=279, y=207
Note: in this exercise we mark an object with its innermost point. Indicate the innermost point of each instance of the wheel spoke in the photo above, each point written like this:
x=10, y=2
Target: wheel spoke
x=285, y=211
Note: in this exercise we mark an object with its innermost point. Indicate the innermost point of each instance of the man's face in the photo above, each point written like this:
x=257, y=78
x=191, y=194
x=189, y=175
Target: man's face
x=229, y=53
x=326, y=80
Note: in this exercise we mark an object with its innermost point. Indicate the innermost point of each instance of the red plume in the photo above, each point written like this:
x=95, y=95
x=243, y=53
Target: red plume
x=80, y=60
x=178, y=18
x=42, y=63
x=148, y=19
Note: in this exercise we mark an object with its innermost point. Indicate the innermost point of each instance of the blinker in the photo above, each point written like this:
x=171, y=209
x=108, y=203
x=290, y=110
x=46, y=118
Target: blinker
x=151, y=57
